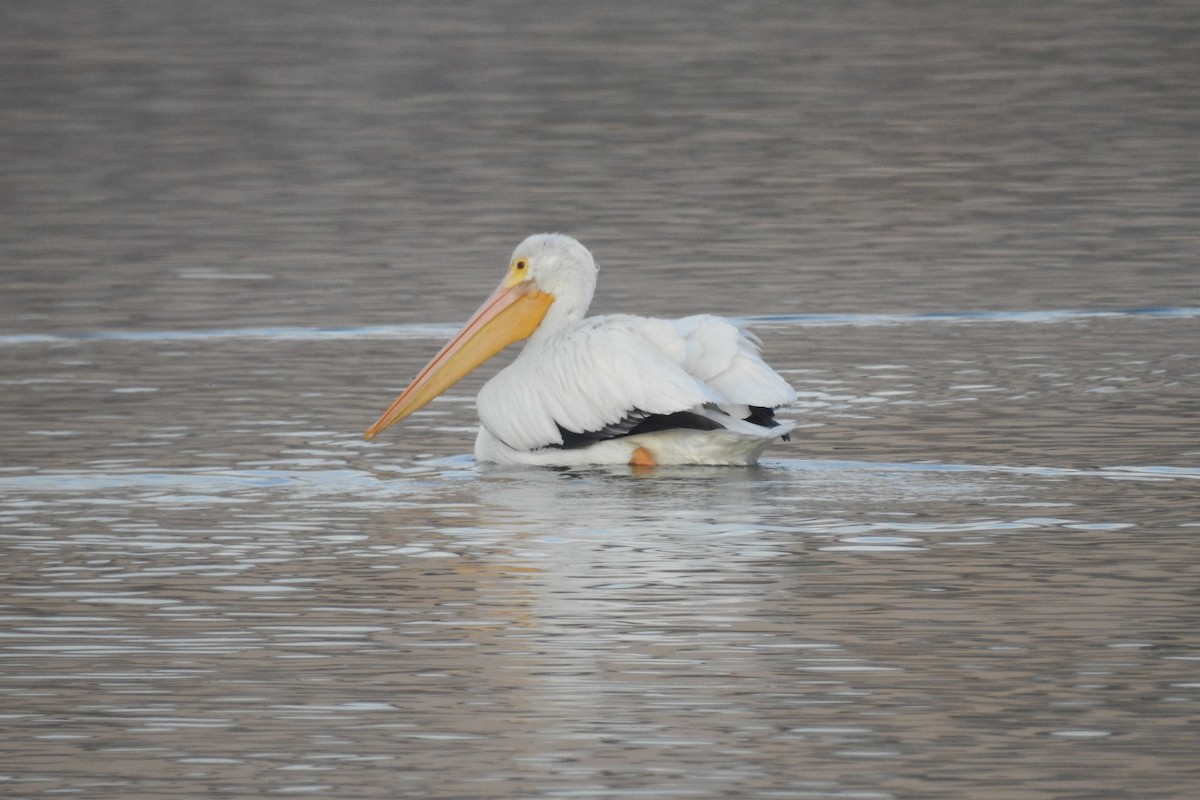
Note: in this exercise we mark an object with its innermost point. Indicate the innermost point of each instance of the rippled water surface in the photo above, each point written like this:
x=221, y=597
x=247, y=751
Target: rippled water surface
x=966, y=234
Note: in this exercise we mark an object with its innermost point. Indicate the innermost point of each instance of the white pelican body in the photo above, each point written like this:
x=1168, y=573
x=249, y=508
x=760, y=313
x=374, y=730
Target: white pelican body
x=616, y=389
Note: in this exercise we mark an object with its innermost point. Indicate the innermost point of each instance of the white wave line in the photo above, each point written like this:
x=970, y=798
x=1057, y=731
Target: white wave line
x=966, y=317
x=445, y=330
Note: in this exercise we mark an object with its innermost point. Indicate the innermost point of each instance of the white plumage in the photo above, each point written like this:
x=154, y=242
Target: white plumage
x=598, y=372
x=615, y=389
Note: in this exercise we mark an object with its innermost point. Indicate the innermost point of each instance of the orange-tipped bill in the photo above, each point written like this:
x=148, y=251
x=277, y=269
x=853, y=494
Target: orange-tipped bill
x=512, y=313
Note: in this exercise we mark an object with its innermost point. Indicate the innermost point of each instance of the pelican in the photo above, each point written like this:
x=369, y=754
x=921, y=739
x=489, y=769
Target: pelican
x=613, y=389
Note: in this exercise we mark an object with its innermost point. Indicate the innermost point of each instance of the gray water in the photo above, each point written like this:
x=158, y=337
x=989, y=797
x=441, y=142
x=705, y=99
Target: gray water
x=966, y=232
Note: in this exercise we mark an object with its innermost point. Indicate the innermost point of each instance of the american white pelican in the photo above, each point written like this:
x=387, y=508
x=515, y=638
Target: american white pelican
x=615, y=389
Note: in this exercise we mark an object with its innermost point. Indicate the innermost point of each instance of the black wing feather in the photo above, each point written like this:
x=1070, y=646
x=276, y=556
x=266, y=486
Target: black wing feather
x=638, y=421
x=634, y=423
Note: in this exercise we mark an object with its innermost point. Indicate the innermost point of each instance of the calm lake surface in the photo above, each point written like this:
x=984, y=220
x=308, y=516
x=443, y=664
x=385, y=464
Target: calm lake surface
x=966, y=232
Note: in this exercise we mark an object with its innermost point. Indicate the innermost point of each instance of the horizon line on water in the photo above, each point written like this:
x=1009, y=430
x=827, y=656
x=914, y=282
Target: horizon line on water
x=444, y=330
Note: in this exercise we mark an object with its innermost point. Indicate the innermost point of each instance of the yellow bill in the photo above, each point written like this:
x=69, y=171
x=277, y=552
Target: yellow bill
x=511, y=314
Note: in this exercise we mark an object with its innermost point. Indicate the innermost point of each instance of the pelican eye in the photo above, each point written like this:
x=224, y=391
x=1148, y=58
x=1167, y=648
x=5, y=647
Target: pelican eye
x=518, y=272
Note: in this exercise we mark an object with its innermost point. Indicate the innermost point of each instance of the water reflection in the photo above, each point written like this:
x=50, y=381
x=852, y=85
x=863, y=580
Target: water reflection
x=562, y=625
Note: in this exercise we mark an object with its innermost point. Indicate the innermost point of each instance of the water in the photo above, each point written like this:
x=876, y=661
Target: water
x=966, y=234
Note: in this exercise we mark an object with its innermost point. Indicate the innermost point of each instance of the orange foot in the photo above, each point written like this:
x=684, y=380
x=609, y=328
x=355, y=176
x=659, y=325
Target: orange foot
x=641, y=459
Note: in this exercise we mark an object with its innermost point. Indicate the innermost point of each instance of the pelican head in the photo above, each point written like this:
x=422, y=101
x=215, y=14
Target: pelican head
x=549, y=283
x=560, y=266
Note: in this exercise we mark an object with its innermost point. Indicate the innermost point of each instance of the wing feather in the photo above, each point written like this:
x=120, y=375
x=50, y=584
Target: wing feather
x=601, y=372
x=727, y=359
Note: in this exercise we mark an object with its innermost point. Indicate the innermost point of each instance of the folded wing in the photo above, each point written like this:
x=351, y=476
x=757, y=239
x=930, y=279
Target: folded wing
x=621, y=375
